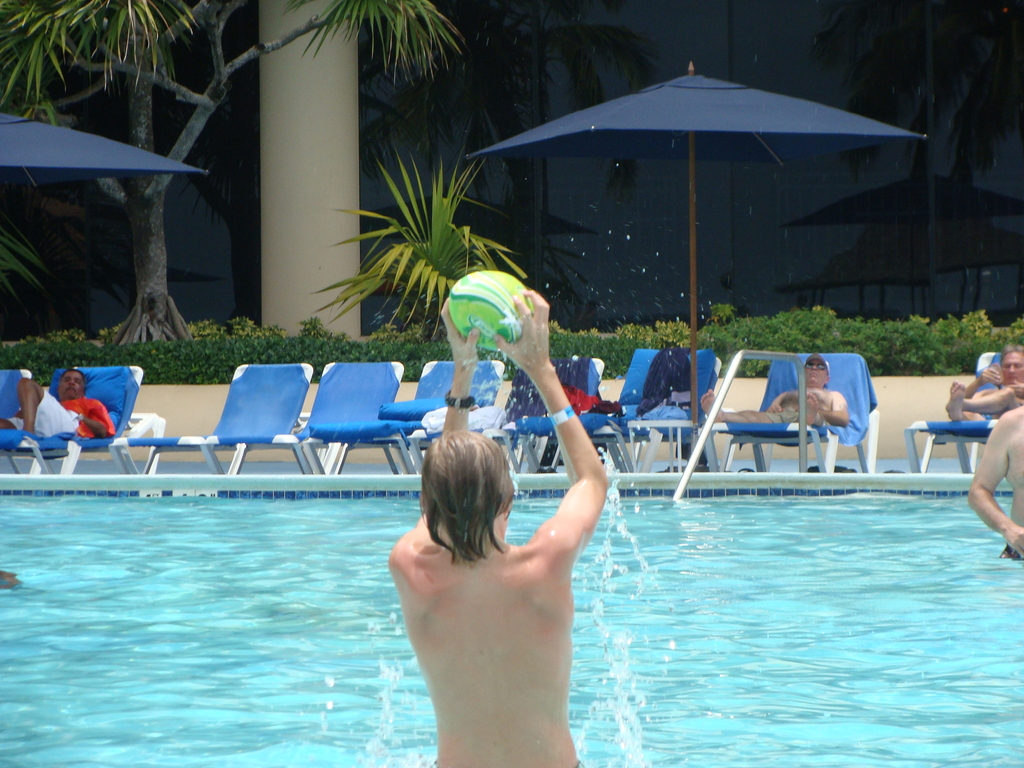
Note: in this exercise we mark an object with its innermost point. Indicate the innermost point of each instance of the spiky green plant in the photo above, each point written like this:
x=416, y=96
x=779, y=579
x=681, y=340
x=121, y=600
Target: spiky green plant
x=17, y=257
x=419, y=255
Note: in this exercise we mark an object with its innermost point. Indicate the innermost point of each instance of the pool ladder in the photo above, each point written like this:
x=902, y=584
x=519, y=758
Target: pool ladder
x=709, y=423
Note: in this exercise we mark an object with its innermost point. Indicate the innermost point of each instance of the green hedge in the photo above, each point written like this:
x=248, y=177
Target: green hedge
x=891, y=348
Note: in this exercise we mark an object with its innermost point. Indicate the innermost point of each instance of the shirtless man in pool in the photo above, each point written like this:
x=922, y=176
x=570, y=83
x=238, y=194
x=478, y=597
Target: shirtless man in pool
x=1003, y=457
x=491, y=623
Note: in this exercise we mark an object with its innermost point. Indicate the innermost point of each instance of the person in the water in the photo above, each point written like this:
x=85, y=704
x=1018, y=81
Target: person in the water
x=8, y=580
x=491, y=623
x=1003, y=457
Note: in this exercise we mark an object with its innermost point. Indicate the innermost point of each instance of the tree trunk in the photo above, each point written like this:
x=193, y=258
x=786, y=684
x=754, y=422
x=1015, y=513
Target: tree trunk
x=154, y=316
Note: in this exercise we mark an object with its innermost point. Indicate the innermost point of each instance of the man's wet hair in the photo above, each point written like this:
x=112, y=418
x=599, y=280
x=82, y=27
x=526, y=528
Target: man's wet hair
x=72, y=370
x=466, y=486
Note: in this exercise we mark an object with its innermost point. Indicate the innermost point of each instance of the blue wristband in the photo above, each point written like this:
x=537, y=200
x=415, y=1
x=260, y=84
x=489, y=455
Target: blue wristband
x=562, y=416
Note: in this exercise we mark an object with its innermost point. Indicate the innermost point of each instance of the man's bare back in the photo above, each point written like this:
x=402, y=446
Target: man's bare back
x=494, y=641
x=493, y=635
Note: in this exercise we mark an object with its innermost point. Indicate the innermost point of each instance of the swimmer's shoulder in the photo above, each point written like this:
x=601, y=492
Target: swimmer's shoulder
x=417, y=551
x=552, y=551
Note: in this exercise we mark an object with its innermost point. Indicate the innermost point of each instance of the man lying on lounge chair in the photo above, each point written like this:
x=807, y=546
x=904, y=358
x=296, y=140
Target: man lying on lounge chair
x=966, y=403
x=824, y=406
x=44, y=415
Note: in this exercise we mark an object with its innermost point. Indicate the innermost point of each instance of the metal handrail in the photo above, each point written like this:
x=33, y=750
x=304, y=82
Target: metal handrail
x=716, y=408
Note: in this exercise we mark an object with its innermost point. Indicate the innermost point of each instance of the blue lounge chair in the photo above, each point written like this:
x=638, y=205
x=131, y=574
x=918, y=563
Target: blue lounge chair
x=263, y=402
x=435, y=381
x=117, y=388
x=632, y=393
x=9, y=379
x=650, y=432
x=848, y=374
x=959, y=433
x=346, y=413
x=533, y=429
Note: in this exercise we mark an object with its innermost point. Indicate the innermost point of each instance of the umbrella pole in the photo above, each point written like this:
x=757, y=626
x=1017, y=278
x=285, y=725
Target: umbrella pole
x=694, y=394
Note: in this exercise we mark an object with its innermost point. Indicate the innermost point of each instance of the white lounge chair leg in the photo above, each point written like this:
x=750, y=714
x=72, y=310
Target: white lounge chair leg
x=759, y=462
x=238, y=459
x=300, y=459
x=152, y=461
x=651, y=450
x=42, y=464
x=822, y=464
x=965, y=458
x=711, y=451
x=874, y=420
x=211, y=459
x=730, y=452
x=67, y=466
x=312, y=453
x=339, y=463
x=926, y=459
x=910, y=438
x=830, y=453
x=624, y=453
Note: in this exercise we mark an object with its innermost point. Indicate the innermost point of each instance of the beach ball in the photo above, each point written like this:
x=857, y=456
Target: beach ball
x=484, y=300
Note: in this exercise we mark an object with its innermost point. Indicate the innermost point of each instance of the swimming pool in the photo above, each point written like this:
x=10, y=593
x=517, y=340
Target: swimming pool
x=734, y=632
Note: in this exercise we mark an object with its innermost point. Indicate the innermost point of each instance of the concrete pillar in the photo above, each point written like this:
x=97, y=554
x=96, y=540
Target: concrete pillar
x=309, y=155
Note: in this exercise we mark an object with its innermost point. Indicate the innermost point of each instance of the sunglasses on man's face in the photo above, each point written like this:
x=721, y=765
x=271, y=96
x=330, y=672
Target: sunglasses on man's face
x=816, y=366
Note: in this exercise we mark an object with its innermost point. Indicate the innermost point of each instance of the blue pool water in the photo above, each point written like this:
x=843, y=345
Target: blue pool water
x=860, y=631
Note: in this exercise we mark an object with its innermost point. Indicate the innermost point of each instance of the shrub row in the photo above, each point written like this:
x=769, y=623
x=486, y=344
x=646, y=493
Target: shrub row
x=891, y=348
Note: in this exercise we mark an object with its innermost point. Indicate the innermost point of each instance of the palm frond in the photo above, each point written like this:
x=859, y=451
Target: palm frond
x=17, y=257
x=413, y=34
x=39, y=40
x=583, y=47
x=421, y=252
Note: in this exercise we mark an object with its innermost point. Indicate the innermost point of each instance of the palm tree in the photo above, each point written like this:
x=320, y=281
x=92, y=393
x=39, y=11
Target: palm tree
x=421, y=252
x=501, y=86
x=978, y=78
x=132, y=45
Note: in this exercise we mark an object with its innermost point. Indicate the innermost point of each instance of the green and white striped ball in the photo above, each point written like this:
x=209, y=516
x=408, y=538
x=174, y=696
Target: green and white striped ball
x=484, y=300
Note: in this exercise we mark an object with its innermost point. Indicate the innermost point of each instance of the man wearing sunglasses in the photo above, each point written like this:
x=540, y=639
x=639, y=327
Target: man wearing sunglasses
x=824, y=407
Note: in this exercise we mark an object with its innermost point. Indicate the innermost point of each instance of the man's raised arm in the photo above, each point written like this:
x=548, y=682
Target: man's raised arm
x=465, y=356
x=580, y=510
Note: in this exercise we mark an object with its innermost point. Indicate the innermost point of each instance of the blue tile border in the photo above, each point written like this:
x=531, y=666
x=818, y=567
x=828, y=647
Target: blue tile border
x=344, y=488
x=537, y=493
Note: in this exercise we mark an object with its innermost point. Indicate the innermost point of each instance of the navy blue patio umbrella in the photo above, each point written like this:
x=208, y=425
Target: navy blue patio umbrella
x=698, y=118
x=36, y=153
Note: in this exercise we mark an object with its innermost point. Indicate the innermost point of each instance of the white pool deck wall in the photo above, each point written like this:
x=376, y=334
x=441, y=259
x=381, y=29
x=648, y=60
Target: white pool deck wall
x=194, y=410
